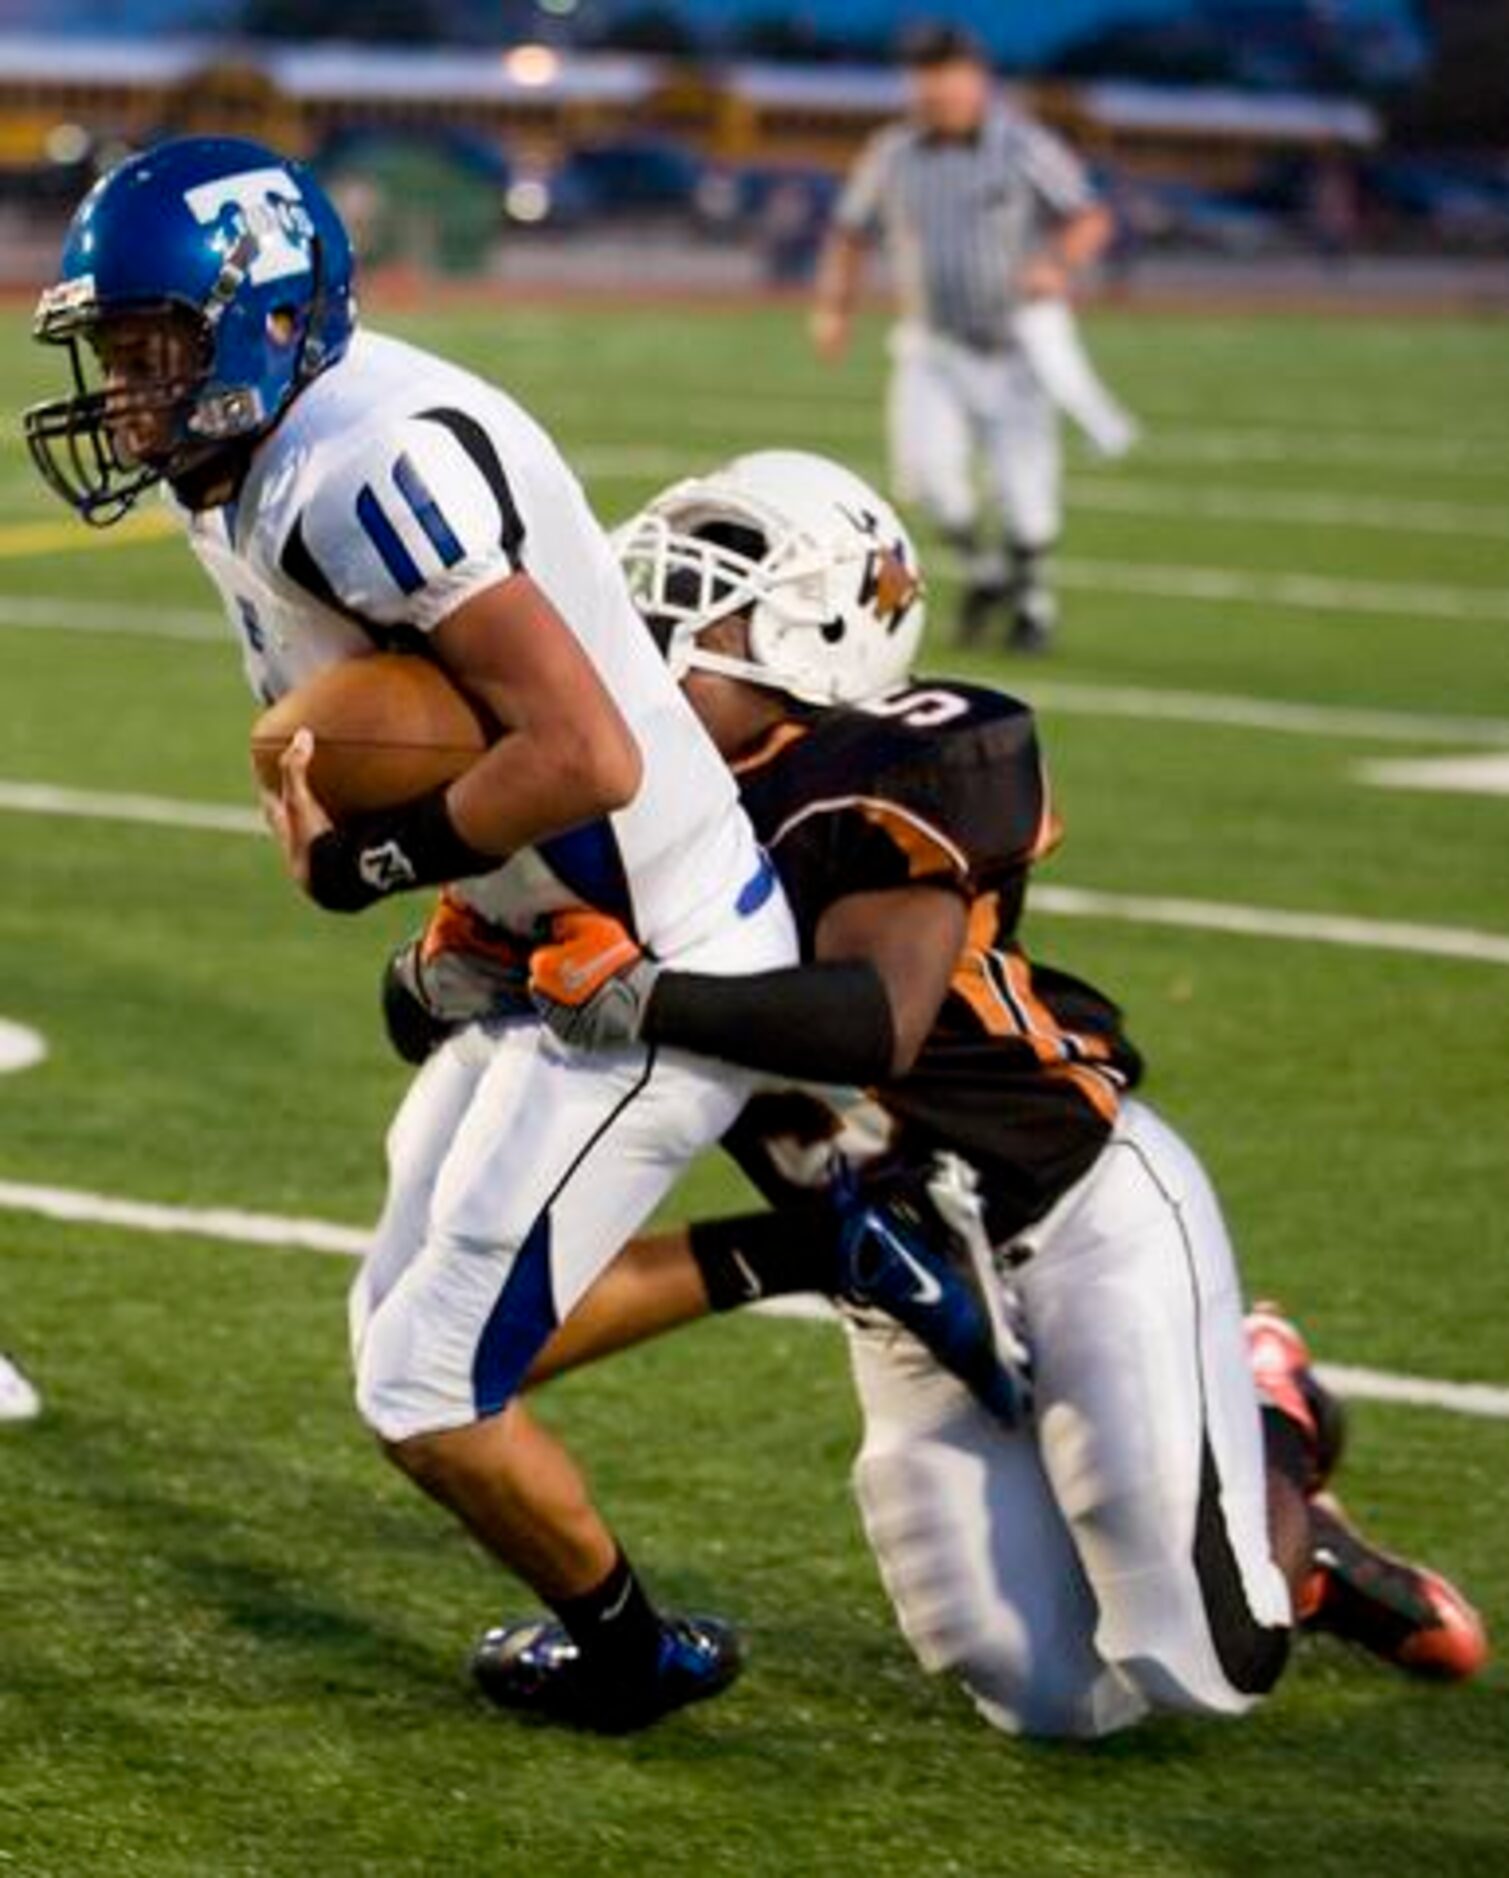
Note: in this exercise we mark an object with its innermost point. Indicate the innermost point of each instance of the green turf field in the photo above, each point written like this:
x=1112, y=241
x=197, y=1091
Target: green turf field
x=235, y=1645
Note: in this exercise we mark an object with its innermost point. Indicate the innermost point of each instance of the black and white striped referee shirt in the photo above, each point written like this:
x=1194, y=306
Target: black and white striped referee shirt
x=960, y=216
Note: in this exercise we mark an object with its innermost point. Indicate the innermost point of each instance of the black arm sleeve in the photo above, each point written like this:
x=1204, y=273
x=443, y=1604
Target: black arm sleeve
x=820, y=1023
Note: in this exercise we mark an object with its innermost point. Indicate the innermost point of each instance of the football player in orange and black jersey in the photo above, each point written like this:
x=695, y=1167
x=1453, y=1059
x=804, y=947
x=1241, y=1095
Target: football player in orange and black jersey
x=942, y=788
x=1120, y=1555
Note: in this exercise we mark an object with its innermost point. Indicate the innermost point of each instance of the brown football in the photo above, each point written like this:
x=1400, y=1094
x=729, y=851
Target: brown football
x=387, y=728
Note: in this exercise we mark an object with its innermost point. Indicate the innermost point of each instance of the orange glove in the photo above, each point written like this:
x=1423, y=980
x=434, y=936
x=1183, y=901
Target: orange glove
x=456, y=927
x=592, y=982
x=460, y=968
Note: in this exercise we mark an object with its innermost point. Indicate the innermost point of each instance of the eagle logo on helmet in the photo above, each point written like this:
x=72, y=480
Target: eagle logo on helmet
x=889, y=586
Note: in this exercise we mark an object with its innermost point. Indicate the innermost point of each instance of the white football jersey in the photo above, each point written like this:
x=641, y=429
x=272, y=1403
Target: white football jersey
x=397, y=487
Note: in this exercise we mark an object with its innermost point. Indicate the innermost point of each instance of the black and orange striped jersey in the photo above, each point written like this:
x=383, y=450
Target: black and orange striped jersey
x=944, y=784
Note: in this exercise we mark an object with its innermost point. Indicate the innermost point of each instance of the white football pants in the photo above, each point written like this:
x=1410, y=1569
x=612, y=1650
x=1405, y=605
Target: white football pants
x=951, y=409
x=1113, y=1558
x=517, y=1168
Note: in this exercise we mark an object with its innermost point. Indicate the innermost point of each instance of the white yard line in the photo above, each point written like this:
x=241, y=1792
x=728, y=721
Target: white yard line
x=1265, y=508
x=1378, y=1385
x=1275, y=714
x=153, y=811
x=44, y=614
x=230, y=1224
x=1452, y=942
x=1270, y=443
x=1289, y=508
x=20, y=1047
x=1474, y=775
x=233, y=1226
x=1310, y=593
x=1263, y=922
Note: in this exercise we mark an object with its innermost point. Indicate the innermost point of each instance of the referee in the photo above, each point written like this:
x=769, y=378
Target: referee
x=983, y=214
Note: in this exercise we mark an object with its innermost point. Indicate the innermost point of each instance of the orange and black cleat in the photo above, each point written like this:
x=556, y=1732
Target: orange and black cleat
x=1404, y=1614
x=1286, y=1381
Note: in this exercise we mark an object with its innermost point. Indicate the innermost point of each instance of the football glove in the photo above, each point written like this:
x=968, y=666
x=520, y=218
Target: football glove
x=592, y=982
x=460, y=969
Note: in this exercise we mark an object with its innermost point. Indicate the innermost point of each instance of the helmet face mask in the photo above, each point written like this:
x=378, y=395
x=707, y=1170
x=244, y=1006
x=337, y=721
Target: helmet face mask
x=816, y=561
x=127, y=424
x=207, y=282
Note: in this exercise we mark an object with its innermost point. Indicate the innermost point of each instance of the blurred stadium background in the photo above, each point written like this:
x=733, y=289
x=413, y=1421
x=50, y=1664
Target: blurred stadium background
x=1278, y=724
x=1244, y=143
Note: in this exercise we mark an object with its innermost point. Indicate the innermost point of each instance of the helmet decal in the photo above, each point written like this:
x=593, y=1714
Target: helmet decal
x=266, y=205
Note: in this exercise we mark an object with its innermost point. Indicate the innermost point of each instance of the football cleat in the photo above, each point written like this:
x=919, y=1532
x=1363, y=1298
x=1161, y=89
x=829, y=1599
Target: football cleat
x=1286, y=1381
x=19, y=1401
x=534, y=1668
x=917, y=1253
x=1404, y=1614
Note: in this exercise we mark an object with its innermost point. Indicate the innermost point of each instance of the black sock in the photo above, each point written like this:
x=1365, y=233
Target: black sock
x=766, y=1255
x=615, y=1627
x=1288, y=1447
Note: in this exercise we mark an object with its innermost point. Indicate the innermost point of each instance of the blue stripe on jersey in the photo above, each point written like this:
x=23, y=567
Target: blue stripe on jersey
x=518, y=1326
x=757, y=889
x=384, y=537
x=588, y=862
x=416, y=492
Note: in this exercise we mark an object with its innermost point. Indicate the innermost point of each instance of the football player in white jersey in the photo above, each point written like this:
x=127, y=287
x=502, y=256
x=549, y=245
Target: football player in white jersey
x=347, y=492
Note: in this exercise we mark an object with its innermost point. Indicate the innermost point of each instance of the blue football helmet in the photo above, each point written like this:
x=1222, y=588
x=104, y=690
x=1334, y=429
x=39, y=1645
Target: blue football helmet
x=234, y=261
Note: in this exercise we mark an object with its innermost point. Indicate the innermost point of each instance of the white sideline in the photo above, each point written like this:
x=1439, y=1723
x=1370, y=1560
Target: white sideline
x=233, y=1226
x=1449, y=942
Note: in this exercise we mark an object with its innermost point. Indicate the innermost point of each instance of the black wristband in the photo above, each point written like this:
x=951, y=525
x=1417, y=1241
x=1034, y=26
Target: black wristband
x=375, y=855
x=821, y=1023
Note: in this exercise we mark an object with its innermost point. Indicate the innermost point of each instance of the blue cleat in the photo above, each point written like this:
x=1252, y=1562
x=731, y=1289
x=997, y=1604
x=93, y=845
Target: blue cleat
x=918, y=1252
x=534, y=1668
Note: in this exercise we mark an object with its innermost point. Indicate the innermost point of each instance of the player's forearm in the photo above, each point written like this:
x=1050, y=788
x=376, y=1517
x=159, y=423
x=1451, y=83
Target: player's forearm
x=529, y=785
x=539, y=782
x=829, y=1022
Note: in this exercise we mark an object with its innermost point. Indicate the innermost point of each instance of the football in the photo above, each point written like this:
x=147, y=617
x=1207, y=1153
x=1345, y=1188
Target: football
x=387, y=728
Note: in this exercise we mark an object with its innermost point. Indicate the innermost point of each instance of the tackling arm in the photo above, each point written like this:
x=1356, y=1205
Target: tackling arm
x=859, y=1013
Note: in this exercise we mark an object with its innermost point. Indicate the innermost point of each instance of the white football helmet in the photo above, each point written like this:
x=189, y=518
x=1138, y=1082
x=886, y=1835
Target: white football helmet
x=819, y=561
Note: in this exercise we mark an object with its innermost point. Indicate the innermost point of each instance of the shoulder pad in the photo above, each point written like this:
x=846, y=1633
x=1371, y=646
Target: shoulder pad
x=413, y=522
x=950, y=772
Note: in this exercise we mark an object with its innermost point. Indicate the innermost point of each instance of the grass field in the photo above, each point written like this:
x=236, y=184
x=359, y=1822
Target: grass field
x=235, y=1645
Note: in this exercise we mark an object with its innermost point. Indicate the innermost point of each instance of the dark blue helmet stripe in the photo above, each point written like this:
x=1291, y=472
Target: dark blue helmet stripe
x=385, y=538
x=417, y=493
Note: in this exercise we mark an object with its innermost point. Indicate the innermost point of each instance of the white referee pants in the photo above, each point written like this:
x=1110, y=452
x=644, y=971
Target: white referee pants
x=952, y=412
x=517, y=1168
x=1113, y=1559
